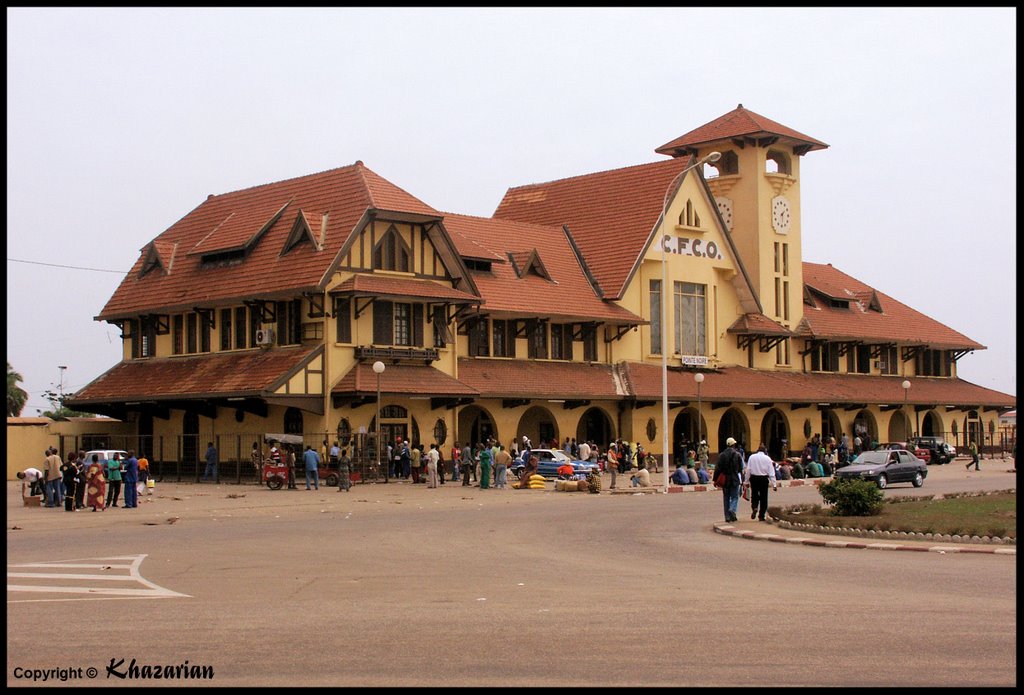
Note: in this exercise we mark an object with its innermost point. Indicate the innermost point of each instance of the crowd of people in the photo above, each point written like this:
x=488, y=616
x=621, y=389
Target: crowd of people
x=77, y=484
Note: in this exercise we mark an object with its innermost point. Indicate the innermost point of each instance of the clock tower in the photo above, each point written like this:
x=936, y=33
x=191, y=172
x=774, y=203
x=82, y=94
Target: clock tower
x=756, y=184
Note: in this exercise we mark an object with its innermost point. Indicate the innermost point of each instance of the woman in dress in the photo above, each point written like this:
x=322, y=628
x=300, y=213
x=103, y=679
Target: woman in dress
x=485, y=467
x=95, y=484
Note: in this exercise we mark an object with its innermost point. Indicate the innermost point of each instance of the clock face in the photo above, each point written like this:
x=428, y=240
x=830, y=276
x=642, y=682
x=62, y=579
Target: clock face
x=780, y=214
x=725, y=207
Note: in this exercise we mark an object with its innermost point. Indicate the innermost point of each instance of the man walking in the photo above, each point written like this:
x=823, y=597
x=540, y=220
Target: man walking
x=312, y=460
x=211, y=463
x=729, y=466
x=973, y=448
x=760, y=471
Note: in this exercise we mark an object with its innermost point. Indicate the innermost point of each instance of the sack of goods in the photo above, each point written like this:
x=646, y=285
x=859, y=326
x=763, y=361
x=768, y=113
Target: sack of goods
x=537, y=482
x=150, y=483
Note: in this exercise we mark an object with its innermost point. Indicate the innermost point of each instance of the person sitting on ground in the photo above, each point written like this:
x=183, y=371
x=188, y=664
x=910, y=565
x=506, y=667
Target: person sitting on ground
x=642, y=477
x=815, y=470
x=529, y=469
x=565, y=471
x=785, y=471
x=798, y=471
x=679, y=476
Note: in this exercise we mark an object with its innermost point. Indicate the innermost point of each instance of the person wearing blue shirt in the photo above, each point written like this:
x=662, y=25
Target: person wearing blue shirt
x=312, y=460
x=211, y=463
x=131, y=479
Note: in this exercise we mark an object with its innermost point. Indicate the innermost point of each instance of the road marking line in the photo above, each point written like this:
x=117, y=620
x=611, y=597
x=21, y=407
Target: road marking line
x=151, y=590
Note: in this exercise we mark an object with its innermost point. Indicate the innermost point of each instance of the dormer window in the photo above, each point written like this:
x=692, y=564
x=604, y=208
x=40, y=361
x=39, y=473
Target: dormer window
x=391, y=252
x=301, y=233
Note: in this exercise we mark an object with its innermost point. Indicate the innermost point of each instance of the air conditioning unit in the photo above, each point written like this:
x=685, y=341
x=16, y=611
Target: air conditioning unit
x=265, y=337
x=878, y=364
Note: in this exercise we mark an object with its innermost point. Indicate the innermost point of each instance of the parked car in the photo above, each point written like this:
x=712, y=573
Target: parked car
x=885, y=466
x=939, y=450
x=923, y=454
x=105, y=455
x=548, y=461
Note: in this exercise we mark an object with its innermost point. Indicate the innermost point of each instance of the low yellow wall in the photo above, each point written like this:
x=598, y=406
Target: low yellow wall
x=28, y=438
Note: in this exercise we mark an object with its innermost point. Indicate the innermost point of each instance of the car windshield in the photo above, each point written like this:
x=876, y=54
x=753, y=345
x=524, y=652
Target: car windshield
x=872, y=458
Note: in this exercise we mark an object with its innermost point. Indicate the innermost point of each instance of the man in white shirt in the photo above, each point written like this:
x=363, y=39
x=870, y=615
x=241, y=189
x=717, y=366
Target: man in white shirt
x=759, y=472
x=34, y=477
x=432, y=459
x=584, y=451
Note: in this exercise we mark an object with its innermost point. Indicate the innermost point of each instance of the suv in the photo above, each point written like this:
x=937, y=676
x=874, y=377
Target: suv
x=940, y=451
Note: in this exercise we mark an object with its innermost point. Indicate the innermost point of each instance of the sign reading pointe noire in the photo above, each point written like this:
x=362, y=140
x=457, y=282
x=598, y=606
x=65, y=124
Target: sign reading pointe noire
x=694, y=360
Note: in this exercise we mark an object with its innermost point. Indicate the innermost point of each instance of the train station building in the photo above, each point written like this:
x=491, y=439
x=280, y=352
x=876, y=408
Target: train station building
x=581, y=308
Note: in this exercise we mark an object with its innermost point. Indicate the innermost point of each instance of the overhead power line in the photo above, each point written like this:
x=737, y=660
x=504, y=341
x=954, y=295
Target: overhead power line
x=73, y=267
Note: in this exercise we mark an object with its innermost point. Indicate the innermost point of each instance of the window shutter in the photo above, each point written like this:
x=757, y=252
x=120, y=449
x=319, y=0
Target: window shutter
x=417, y=325
x=136, y=336
x=343, y=315
x=383, y=323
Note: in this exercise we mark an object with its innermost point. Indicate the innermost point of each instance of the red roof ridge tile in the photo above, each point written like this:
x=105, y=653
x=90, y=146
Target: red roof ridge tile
x=292, y=179
x=657, y=162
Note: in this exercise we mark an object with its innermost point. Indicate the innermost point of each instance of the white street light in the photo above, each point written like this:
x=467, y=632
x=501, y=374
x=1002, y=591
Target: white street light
x=378, y=368
x=699, y=378
x=710, y=157
x=906, y=390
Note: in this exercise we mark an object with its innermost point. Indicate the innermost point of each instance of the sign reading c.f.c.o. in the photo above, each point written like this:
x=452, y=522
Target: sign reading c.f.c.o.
x=685, y=246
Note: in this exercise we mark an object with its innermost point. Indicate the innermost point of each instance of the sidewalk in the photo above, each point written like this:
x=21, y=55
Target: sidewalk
x=764, y=531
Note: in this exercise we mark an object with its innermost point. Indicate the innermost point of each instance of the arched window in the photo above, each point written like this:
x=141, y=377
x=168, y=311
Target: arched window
x=728, y=164
x=778, y=163
x=344, y=431
x=391, y=252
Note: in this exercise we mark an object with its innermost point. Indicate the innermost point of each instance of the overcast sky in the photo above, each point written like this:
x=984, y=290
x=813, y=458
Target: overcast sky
x=121, y=121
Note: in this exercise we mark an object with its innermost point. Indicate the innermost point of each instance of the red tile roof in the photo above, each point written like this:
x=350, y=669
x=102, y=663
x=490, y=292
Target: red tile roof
x=610, y=214
x=242, y=227
x=737, y=123
x=744, y=385
x=372, y=284
x=344, y=194
x=567, y=295
x=246, y=373
x=895, y=323
x=510, y=378
x=402, y=379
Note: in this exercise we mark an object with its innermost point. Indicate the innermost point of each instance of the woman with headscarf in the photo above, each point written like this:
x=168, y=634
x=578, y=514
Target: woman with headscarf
x=485, y=466
x=95, y=484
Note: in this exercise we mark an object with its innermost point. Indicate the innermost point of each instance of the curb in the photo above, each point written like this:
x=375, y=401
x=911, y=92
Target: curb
x=730, y=530
x=782, y=483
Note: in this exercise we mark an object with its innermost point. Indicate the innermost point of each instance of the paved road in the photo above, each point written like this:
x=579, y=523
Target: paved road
x=399, y=585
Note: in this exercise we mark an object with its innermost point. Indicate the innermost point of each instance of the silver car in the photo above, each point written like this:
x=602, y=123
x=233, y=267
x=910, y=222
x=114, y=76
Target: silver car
x=885, y=466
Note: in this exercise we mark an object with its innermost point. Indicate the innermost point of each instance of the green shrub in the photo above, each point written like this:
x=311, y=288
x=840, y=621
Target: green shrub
x=852, y=497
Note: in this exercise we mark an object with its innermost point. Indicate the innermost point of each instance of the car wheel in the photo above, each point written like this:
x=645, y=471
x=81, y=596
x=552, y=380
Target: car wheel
x=882, y=482
x=918, y=480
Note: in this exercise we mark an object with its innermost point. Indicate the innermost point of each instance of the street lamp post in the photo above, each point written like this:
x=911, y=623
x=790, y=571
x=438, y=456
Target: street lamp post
x=906, y=390
x=710, y=157
x=699, y=378
x=378, y=368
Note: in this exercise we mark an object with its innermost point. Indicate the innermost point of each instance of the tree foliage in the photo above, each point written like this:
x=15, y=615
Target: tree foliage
x=16, y=396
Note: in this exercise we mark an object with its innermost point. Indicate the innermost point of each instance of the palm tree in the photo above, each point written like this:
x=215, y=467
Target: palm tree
x=16, y=396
